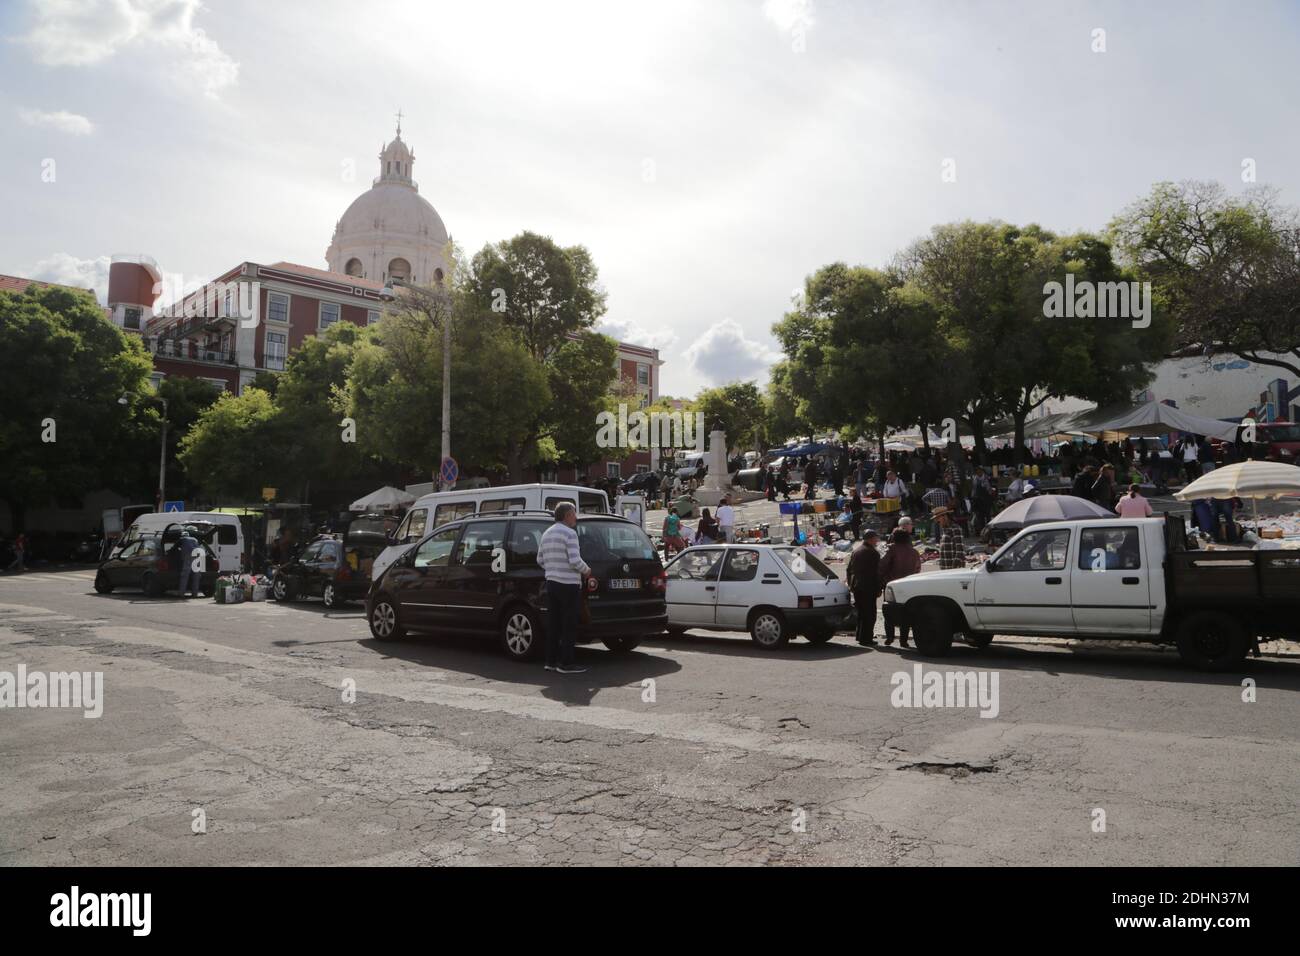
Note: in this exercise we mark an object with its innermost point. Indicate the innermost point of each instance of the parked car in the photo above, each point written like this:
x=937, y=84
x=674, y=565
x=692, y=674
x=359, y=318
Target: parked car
x=643, y=482
x=334, y=568
x=772, y=591
x=480, y=575
x=1131, y=579
x=150, y=562
x=88, y=548
x=228, y=543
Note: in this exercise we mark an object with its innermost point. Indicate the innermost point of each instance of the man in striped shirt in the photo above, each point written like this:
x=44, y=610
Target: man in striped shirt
x=566, y=572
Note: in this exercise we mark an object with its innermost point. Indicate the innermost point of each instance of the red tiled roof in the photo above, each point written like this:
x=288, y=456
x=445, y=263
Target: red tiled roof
x=325, y=274
x=18, y=284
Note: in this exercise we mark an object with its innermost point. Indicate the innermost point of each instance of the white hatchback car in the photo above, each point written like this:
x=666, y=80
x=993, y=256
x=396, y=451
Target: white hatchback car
x=772, y=591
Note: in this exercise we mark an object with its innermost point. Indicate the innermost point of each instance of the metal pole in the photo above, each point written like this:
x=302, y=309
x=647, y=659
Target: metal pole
x=162, y=460
x=446, y=392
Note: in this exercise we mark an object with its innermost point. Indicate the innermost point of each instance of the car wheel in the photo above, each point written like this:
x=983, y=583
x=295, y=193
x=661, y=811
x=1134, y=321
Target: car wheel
x=281, y=590
x=330, y=596
x=980, y=639
x=1211, y=641
x=151, y=585
x=101, y=583
x=819, y=635
x=767, y=628
x=621, y=645
x=932, y=629
x=384, y=622
x=521, y=633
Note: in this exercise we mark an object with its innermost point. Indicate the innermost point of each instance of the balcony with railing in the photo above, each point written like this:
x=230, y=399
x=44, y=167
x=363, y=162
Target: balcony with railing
x=187, y=350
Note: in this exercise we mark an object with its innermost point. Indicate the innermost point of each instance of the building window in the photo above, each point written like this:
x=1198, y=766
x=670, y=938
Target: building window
x=131, y=318
x=277, y=307
x=612, y=470
x=226, y=310
x=372, y=316
x=354, y=267
x=276, y=345
x=329, y=314
x=399, y=270
x=643, y=374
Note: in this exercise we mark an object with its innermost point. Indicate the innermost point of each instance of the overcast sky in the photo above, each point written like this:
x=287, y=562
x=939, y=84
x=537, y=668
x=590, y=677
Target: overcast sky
x=709, y=154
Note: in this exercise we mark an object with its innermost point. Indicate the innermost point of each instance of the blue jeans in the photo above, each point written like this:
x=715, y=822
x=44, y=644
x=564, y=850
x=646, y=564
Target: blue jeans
x=562, y=605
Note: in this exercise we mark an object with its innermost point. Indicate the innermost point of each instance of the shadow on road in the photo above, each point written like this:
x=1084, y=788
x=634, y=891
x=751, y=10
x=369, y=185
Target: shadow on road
x=839, y=648
x=1098, y=659
x=479, y=656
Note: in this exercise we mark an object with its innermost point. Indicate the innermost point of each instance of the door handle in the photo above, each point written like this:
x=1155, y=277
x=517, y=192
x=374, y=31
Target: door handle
x=1052, y=580
x=1132, y=581
x=709, y=587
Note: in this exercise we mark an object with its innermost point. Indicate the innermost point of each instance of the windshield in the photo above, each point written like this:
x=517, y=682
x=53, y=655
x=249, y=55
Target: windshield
x=612, y=541
x=1278, y=432
x=803, y=565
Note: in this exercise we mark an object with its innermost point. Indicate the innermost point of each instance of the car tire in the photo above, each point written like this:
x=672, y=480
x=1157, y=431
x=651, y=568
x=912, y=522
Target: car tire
x=767, y=628
x=1211, y=641
x=151, y=585
x=621, y=645
x=385, y=623
x=520, y=633
x=819, y=635
x=932, y=629
x=282, y=589
x=102, y=584
x=331, y=597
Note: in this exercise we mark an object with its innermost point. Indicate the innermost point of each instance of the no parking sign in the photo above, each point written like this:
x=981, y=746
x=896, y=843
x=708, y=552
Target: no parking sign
x=449, y=471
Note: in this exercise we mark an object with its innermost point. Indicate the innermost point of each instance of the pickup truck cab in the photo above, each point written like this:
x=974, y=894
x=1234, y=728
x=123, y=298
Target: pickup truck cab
x=1131, y=579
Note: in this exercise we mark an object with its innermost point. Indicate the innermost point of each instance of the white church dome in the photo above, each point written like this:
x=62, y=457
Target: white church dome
x=391, y=233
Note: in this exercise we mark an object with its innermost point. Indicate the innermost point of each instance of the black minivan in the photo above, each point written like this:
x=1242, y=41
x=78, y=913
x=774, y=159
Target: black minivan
x=480, y=575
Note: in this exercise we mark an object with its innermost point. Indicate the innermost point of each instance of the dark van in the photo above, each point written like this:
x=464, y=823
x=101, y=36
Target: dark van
x=480, y=575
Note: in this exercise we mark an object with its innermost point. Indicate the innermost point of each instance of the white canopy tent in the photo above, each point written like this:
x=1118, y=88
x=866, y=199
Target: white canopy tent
x=1155, y=418
x=386, y=498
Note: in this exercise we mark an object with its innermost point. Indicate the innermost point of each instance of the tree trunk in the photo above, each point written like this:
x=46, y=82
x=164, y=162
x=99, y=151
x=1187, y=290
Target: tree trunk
x=1019, y=417
x=925, y=436
x=977, y=432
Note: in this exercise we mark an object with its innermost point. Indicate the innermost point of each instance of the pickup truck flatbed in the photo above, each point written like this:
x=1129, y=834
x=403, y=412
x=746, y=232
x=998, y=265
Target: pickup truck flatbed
x=1108, y=578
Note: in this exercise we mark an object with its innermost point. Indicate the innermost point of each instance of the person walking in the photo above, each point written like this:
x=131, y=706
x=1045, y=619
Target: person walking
x=1083, y=482
x=20, y=553
x=855, y=507
x=810, y=479
x=673, y=533
x=727, y=520
x=952, y=546
x=864, y=581
x=1133, y=505
x=982, y=497
x=900, y=560
x=190, y=579
x=566, y=572
x=1190, y=453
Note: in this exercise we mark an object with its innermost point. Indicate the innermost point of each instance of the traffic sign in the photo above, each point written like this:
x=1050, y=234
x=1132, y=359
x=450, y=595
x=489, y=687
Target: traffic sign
x=173, y=506
x=449, y=471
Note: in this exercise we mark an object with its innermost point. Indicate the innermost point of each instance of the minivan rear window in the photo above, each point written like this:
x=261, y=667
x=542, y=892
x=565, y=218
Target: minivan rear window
x=501, y=504
x=803, y=565
x=451, y=511
x=612, y=541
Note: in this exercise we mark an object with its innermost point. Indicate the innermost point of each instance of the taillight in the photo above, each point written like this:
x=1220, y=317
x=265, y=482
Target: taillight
x=345, y=573
x=805, y=602
x=162, y=564
x=592, y=583
x=659, y=582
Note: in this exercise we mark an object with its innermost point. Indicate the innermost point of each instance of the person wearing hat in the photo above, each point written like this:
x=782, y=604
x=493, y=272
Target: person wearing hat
x=900, y=560
x=952, y=546
x=864, y=582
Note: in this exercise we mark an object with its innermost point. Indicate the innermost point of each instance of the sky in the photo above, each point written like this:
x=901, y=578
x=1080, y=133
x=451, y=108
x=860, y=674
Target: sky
x=710, y=154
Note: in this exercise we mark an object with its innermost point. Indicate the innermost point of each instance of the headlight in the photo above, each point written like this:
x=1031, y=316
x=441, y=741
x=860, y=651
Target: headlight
x=889, y=593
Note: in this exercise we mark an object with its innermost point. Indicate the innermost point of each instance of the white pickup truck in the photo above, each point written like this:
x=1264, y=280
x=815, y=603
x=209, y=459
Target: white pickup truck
x=1131, y=579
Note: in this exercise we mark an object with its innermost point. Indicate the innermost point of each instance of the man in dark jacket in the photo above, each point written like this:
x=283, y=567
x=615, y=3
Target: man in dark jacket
x=1083, y=482
x=864, y=582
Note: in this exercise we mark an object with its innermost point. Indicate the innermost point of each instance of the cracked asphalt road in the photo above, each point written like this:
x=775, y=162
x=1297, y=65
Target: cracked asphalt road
x=692, y=750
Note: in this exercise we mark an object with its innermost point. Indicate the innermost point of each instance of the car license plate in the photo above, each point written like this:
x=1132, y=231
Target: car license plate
x=624, y=584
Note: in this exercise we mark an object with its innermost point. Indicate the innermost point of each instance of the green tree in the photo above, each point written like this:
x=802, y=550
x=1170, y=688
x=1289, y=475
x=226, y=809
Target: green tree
x=186, y=399
x=233, y=449
x=63, y=369
x=1227, y=268
x=737, y=408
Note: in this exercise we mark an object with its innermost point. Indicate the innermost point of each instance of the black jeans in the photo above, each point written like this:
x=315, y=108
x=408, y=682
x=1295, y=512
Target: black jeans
x=865, y=602
x=894, y=619
x=562, y=604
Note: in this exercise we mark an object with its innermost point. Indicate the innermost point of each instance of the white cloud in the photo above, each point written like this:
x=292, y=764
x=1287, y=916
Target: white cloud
x=788, y=14
x=626, y=330
x=86, y=32
x=67, y=269
x=61, y=120
x=725, y=354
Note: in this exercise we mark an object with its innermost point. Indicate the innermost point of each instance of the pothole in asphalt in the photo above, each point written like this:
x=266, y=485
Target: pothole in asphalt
x=955, y=770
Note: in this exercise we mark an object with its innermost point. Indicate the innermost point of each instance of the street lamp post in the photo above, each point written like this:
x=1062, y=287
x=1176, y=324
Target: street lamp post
x=162, y=449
